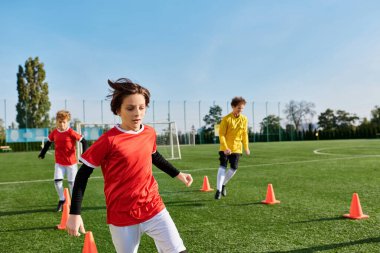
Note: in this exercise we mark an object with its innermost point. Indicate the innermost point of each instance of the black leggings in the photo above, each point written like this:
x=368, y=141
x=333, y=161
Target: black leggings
x=232, y=158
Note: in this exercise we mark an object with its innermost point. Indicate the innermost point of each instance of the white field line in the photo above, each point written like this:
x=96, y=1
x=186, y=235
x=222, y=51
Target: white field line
x=319, y=152
x=216, y=167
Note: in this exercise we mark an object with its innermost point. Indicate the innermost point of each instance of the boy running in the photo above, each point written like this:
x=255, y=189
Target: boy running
x=64, y=139
x=125, y=154
x=233, y=136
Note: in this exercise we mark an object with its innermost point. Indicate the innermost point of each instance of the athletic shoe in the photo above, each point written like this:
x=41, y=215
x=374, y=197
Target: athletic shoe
x=224, y=191
x=60, y=205
x=218, y=194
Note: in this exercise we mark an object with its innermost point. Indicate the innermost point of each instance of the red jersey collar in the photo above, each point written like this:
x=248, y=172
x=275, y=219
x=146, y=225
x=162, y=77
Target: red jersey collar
x=130, y=131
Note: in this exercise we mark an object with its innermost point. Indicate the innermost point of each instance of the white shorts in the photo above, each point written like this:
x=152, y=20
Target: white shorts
x=161, y=228
x=70, y=170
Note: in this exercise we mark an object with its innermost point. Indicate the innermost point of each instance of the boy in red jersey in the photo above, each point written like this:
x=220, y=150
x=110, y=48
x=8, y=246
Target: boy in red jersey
x=64, y=139
x=233, y=136
x=125, y=154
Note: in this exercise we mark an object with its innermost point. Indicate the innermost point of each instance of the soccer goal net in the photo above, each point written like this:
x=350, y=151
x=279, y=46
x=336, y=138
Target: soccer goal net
x=167, y=136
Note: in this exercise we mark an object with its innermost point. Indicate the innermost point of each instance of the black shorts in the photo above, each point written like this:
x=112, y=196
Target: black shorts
x=232, y=158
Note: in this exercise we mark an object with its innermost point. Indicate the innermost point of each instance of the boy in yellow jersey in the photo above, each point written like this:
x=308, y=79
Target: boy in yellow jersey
x=233, y=136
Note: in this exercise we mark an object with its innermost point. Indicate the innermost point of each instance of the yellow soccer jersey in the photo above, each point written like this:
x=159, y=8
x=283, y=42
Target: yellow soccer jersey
x=233, y=133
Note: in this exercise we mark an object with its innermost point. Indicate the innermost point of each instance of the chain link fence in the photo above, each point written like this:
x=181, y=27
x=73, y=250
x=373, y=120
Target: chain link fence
x=187, y=114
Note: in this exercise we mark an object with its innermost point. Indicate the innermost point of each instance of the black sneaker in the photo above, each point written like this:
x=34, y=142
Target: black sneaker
x=60, y=205
x=218, y=194
x=224, y=191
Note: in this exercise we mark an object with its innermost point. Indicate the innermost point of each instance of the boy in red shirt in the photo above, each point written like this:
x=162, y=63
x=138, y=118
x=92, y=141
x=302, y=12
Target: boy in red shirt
x=64, y=139
x=125, y=154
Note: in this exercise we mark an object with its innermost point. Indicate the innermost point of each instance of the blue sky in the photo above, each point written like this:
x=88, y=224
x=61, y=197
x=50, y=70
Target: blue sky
x=326, y=52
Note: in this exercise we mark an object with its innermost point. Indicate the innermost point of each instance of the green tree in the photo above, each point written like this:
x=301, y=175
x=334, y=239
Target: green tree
x=345, y=119
x=327, y=120
x=2, y=130
x=213, y=117
x=271, y=123
x=297, y=112
x=33, y=95
x=375, y=113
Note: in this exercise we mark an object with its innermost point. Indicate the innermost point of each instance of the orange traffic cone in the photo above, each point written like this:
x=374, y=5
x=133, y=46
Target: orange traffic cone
x=65, y=217
x=206, y=185
x=270, y=198
x=355, y=209
x=67, y=196
x=89, y=243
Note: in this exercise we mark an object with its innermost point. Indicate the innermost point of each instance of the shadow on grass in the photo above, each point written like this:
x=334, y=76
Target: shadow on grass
x=194, y=203
x=94, y=208
x=176, y=192
x=45, y=210
x=29, y=229
x=330, y=246
x=248, y=204
x=10, y=213
x=322, y=219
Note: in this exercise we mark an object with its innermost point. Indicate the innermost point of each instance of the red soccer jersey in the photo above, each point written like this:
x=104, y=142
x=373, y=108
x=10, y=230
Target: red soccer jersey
x=65, y=146
x=130, y=189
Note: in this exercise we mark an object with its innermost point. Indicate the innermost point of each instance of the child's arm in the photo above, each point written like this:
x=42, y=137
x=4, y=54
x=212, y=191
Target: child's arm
x=44, y=150
x=164, y=165
x=84, y=145
x=246, y=140
x=75, y=222
x=160, y=162
x=80, y=184
x=222, y=137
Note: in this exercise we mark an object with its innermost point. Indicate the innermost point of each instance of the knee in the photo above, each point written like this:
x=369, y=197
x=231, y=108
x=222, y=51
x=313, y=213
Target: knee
x=234, y=168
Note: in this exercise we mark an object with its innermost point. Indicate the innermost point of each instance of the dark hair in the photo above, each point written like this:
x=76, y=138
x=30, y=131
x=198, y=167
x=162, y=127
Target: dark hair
x=238, y=100
x=122, y=88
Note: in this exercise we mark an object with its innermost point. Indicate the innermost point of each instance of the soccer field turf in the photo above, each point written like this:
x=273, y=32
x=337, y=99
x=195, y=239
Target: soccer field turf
x=313, y=180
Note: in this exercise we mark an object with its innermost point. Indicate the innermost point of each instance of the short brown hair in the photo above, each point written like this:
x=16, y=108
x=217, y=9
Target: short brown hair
x=63, y=114
x=237, y=101
x=122, y=88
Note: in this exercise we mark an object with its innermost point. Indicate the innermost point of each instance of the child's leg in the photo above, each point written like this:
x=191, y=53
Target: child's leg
x=164, y=233
x=230, y=173
x=71, y=174
x=220, y=178
x=234, y=163
x=58, y=180
x=126, y=239
x=221, y=171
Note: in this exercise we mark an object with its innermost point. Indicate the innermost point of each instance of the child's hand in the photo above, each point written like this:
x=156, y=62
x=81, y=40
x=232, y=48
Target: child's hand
x=41, y=156
x=74, y=225
x=185, y=178
x=227, y=151
x=248, y=152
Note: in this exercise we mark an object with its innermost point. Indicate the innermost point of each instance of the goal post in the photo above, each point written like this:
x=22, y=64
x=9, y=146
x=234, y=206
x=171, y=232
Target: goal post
x=167, y=139
x=166, y=134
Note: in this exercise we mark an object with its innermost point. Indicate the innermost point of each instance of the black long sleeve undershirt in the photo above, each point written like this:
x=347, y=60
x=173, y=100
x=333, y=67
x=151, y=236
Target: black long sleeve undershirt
x=160, y=162
x=48, y=144
x=79, y=188
x=44, y=149
x=84, y=145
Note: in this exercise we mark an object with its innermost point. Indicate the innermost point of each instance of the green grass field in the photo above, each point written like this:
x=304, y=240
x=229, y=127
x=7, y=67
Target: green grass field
x=313, y=180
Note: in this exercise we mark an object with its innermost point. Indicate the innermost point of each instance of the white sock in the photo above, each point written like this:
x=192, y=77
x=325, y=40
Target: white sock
x=220, y=177
x=71, y=186
x=59, y=189
x=230, y=174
